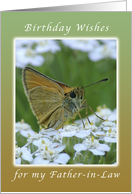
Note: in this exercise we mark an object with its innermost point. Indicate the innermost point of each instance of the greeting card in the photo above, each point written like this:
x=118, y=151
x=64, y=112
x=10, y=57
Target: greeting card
x=66, y=98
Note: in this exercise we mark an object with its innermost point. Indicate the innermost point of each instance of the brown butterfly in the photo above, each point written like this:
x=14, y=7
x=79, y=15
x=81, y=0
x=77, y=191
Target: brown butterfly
x=53, y=102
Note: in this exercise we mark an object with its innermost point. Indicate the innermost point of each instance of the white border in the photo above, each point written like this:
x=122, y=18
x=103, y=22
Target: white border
x=117, y=103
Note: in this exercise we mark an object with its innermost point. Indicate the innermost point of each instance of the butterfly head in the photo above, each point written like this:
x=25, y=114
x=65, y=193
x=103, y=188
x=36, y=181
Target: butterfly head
x=76, y=93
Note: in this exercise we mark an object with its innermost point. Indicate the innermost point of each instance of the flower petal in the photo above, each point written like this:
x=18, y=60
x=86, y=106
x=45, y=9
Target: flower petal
x=82, y=134
x=26, y=154
x=68, y=134
x=97, y=152
x=60, y=148
x=79, y=147
x=103, y=147
x=40, y=160
x=18, y=161
x=62, y=158
x=110, y=139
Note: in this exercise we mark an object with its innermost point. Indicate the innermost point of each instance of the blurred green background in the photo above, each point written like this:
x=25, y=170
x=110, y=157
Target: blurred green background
x=74, y=68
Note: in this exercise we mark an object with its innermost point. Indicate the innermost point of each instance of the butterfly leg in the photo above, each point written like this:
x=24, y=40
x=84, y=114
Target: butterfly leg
x=83, y=102
x=81, y=119
x=92, y=111
x=86, y=109
x=96, y=114
x=62, y=117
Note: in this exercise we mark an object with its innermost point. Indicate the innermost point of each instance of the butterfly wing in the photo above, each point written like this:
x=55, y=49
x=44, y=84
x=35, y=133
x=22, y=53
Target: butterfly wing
x=54, y=120
x=45, y=96
x=32, y=79
x=44, y=101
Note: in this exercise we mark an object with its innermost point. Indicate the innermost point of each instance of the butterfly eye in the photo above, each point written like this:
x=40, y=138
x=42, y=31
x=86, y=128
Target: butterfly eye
x=72, y=95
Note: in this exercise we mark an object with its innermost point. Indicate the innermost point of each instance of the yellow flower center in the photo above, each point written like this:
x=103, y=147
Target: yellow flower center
x=46, y=148
x=40, y=127
x=29, y=135
x=99, y=108
x=104, y=106
x=50, y=152
x=110, y=130
x=22, y=121
x=91, y=122
x=92, y=139
x=43, y=142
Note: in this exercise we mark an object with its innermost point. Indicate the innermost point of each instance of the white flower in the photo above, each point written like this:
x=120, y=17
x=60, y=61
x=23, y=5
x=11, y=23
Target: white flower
x=68, y=131
x=19, y=64
x=92, y=145
x=91, y=127
x=68, y=134
x=50, y=154
x=106, y=113
x=46, y=46
x=102, y=51
x=18, y=160
x=88, y=126
x=24, y=129
x=111, y=43
x=34, y=137
x=82, y=134
x=92, y=119
x=98, y=133
x=23, y=42
x=39, y=141
x=103, y=112
x=69, y=128
x=25, y=56
x=17, y=152
x=108, y=128
x=40, y=160
x=110, y=136
x=73, y=130
x=48, y=132
x=112, y=116
x=78, y=131
x=77, y=154
x=62, y=158
x=107, y=124
x=81, y=44
x=58, y=137
x=22, y=153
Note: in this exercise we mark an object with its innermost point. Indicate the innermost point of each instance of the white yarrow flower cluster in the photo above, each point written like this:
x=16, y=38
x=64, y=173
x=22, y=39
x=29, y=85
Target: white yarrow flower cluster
x=27, y=53
x=92, y=145
x=52, y=147
x=111, y=136
x=50, y=154
x=96, y=49
x=22, y=154
x=46, y=46
x=83, y=45
x=102, y=51
x=24, y=129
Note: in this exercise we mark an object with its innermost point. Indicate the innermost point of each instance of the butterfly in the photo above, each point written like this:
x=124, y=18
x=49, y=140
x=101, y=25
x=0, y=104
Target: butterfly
x=51, y=101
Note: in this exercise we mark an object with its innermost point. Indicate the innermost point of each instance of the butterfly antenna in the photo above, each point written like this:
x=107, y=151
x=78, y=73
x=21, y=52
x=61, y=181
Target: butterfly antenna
x=103, y=80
